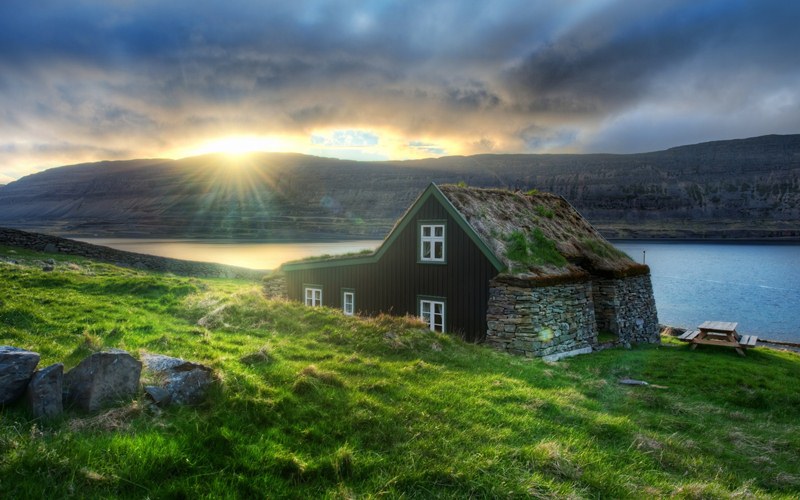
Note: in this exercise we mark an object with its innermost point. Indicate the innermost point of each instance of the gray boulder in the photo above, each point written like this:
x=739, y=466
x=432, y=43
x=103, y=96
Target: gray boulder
x=158, y=395
x=101, y=379
x=187, y=383
x=16, y=368
x=44, y=394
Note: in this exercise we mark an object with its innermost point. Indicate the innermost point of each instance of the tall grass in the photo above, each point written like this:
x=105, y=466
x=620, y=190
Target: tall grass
x=534, y=250
x=312, y=403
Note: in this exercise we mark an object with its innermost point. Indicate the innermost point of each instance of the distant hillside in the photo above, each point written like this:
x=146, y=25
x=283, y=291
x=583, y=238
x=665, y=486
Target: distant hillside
x=747, y=188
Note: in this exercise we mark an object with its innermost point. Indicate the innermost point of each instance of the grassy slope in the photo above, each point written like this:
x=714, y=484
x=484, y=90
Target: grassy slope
x=313, y=404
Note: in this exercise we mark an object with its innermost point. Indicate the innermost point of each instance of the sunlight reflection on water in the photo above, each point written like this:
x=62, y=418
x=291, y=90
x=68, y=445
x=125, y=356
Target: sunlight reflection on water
x=243, y=254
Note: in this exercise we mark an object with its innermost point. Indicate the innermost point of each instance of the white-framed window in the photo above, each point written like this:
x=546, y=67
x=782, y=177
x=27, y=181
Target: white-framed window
x=431, y=242
x=349, y=302
x=432, y=312
x=313, y=296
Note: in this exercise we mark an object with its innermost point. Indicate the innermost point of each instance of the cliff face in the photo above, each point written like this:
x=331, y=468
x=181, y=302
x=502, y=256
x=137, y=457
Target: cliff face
x=264, y=196
x=744, y=188
x=740, y=188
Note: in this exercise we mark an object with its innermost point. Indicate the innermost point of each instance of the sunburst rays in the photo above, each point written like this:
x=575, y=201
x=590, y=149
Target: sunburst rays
x=229, y=195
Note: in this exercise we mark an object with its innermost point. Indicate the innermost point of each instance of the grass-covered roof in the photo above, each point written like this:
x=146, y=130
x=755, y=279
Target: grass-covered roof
x=538, y=234
x=528, y=235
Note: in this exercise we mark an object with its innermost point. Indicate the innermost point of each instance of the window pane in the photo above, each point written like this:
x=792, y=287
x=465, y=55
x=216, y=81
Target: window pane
x=432, y=312
x=432, y=242
x=438, y=250
x=313, y=296
x=349, y=301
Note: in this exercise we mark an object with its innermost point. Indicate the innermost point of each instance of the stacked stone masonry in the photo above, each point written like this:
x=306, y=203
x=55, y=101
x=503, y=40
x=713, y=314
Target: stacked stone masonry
x=54, y=244
x=548, y=320
x=540, y=321
x=628, y=308
x=275, y=286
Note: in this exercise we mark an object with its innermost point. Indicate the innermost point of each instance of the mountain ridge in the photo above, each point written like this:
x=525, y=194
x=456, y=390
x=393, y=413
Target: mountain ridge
x=740, y=188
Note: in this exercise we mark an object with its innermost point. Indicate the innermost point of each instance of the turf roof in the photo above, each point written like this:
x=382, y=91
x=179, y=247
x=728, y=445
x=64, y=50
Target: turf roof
x=497, y=215
x=499, y=219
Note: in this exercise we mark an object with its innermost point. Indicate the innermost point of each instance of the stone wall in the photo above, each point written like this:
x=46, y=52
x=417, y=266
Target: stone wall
x=532, y=320
x=54, y=244
x=541, y=321
x=626, y=307
x=606, y=303
x=275, y=286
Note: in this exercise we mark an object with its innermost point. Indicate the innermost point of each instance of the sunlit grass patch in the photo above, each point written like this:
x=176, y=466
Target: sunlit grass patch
x=114, y=419
x=257, y=357
x=311, y=377
x=312, y=403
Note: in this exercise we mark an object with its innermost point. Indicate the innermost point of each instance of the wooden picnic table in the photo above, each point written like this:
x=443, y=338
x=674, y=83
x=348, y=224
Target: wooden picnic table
x=721, y=333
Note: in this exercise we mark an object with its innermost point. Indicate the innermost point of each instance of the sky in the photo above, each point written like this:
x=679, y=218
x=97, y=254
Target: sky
x=90, y=80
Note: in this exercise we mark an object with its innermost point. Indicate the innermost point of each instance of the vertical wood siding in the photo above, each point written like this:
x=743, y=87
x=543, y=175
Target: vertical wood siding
x=393, y=284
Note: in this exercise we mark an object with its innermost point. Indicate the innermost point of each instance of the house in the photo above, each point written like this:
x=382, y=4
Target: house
x=523, y=272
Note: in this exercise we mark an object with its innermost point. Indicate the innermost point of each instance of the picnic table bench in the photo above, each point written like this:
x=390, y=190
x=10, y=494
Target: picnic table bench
x=721, y=333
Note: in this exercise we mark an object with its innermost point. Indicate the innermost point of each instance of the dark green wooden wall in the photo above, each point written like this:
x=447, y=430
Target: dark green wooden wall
x=394, y=283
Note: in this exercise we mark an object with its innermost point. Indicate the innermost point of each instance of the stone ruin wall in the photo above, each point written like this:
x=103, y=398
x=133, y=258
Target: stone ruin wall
x=540, y=321
x=550, y=320
x=626, y=307
x=275, y=286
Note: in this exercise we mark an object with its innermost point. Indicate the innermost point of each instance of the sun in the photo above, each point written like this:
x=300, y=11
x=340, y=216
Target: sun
x=242, y=144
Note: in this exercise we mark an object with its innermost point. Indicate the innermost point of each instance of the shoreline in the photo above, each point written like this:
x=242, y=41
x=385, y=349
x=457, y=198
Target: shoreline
x=778, y=345
x=54, y=245
x=722, y=241
x=292, y=236
x=327, y=238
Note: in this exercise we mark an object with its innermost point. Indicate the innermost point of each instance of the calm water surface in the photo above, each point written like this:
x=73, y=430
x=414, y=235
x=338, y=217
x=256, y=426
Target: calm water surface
x=243, y=254
x=757, y=286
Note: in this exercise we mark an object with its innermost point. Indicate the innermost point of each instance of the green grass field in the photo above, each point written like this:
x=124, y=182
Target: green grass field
x=313, y=404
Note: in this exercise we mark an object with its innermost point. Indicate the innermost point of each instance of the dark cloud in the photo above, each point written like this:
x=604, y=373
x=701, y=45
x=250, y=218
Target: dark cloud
x=310, y=115
x=510, y=76
x=539, y=138
x=472, y=98
x=82, y=31
x=624, y=55
x=60, y=149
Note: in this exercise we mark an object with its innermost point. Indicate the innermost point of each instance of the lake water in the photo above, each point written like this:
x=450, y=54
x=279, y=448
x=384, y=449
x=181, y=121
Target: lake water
x=237, y=253
x=756, y=285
